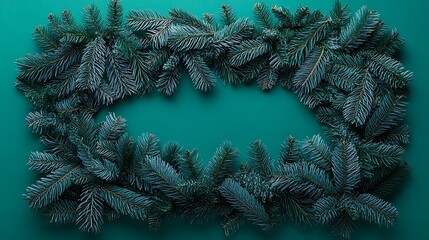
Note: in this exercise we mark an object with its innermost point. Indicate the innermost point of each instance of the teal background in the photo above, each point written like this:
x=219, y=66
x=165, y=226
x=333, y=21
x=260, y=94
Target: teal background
x=240, y=114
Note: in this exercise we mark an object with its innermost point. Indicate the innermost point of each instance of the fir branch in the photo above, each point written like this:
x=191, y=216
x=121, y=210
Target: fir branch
x=289, y=152
x=146, y=19
x=259, y=158
x=375, y=210
x=114, y=15
x=359, y=29
x=93, y=64
x=312, y=70
x=386, y=180
x=227, y=15
x=262, y=15
x=201, y=75
x=90, y=209
x=298, y=209
x=303, y=179
x=326, y=209
x=165, y=178
x=190, y=165
x=318, y=152
x=170, y=75
x=247, y=51
x=185, y=38
x=113, y=128
x=232, y=224
x=185, y=18
x=345, y=167
x=396, y=135
x=389, y=70
x=63, y=211
x=390, y=43
x=222, y=164
x=242, y=201
x=50, y=188
x=46, y=162
x=390, y=113
x=92, y=20
x=45, y=38
x=120, y=76
x=305, y=41
x=359, y=102
x=283, y=15
x=43, y=66
x=125, y=201
x=268, y=77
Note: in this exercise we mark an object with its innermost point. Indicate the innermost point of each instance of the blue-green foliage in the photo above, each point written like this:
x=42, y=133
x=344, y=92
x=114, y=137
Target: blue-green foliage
x=343, y=67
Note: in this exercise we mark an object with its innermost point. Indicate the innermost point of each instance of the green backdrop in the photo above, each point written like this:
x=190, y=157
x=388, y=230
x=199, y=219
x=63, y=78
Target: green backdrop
x=237, y=113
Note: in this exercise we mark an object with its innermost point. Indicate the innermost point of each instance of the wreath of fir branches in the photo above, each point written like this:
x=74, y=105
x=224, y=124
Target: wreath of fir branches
x=341, y=66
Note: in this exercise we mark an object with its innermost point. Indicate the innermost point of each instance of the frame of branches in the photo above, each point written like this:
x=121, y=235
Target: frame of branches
x=341, y=65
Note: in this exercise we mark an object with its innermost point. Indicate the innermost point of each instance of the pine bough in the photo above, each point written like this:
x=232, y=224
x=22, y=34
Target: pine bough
x=343, y=66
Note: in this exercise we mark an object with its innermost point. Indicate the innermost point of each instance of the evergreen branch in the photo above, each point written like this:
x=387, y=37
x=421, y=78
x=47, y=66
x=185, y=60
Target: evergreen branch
x=326, y=209
x=222, y=164
x=390, y=43
x=164, y=177
x=120, y=76
x=92, y=20
x=185, y=38
x=262, y=15
x=359, y=28
x=201, y=75
x=190, y=166
x=46, y=162
x=396, y=135
x=389, y=114
x=171, y=154
x=298, y=209
x=311, y=72
x=45, y=38
x=227, y=15
x=146, y=19
x=93, y=64
x=90, y=209
x=113, y=128
x=50, y=188
x=340, y=16
x=105, y=169
x=242, y=201
x=43, y=66
x=185, y=18
x=318, y=152
x=114, y=15
x=343, y=225
x=259, y=159
x=283, y=15
x=248, y=51
x=386, y=180
x=382, y=154
x=126, y=201
x=359, y=102
x=303, y=179
x=345, y=167
x=289, y=152
x=63, y=211
x=267, y=78
x=305, y=41
x=170, y=75
x=389, y=70
x=232, y=224
x=375, y=210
